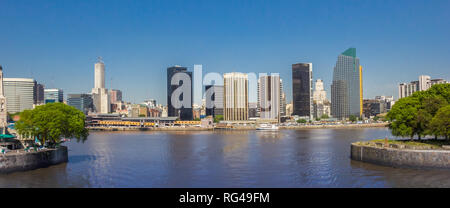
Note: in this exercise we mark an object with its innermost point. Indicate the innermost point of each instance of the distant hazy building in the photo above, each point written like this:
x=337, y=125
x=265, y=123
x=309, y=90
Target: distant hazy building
x=289, y=109
x=346, y=89
x=19, y=93
x=82, y=102
x=115, y=96
x=100, y=94
x=185, y=112
x=269, y=96
x=216, y=99
x=424, y=83
x=302, y=89
x=53, y=96
x=321, y=104
x=252, y=110
x=235, y=96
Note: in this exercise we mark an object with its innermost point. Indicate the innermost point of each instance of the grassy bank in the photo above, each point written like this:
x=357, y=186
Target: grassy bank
x=408, y=144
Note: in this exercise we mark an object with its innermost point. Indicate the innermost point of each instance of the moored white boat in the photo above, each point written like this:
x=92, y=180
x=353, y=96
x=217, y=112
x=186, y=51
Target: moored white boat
x=267, y=127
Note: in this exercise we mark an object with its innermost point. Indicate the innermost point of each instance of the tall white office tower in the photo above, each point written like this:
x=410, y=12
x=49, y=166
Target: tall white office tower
x=269, y=96
x=100, y=94
x=3, y=114
x=235, y=100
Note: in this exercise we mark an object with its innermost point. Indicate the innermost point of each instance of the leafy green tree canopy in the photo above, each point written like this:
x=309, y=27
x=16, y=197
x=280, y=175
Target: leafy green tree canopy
x=52, y=122
x=414, y=115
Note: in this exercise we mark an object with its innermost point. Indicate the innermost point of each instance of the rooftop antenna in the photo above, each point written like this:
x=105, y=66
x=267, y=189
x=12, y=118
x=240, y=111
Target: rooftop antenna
x=100, y=59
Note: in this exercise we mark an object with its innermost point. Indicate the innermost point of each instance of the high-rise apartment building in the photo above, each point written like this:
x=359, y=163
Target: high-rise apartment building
x=302, y=89
x=82, y=102
x=269, y=96
x=424, y=83
x=53, y=96
x=100, y=94
x=235, y=96
x=19, y=93
x=185, y=111
x=346, y=89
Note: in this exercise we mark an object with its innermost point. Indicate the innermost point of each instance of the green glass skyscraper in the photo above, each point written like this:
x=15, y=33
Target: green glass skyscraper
x=346, y=89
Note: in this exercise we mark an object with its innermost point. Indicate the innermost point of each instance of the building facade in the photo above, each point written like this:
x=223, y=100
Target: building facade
x=100, y=94
x=269, y=96
x=235, y=93
x=53, y=96
x=3, y=109
x=424, y=83
x=302, y=89
x=346, y=89
x=184, y=112
x=322, y=105
x=115, y=96
x=82, y=102
x=39, y=94
x=214, y=106
x=19, y=93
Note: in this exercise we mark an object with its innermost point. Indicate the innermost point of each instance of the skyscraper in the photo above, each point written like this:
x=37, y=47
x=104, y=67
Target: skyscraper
x=184, y=112
x=235, y=96
x=38, y=94
x=269, y=96
x=346, y=89
x=100, y=94
x=19, y=93
x=302, y=89
x=3, y=111
x=216, y=99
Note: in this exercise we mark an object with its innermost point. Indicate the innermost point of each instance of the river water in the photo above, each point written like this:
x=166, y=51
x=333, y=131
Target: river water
x=288, y=158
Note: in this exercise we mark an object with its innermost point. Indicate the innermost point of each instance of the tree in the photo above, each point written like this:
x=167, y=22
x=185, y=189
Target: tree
x=301, y=121
x=51, y=122
x=218, y=118
x=402, y=117
x=376, y=118
x=352, y=118
x=440, y=124
x=413, y=115
x=325, y=116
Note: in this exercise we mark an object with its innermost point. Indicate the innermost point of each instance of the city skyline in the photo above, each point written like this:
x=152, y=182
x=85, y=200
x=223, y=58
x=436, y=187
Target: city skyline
x=39, y=45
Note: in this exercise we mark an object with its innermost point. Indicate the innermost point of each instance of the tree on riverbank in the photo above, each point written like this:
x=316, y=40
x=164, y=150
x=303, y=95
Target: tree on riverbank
x=52, y=122
x=414, y=115
x=440, y=124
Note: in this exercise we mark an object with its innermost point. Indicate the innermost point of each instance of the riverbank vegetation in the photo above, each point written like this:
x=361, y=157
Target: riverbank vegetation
x=425, y=113
x=427, y=143
x=51, y=122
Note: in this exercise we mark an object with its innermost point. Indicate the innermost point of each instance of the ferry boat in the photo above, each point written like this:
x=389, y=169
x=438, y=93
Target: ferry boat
x=267, y=127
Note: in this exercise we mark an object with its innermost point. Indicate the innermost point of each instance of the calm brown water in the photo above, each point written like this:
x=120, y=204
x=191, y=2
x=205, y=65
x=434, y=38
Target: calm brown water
x=288, y=158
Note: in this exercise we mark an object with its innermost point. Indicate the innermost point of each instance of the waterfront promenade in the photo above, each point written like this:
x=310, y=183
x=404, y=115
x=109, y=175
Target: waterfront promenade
x=236, y=127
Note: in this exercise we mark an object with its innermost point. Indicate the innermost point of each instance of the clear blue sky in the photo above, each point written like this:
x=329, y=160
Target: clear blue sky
x=57, y=42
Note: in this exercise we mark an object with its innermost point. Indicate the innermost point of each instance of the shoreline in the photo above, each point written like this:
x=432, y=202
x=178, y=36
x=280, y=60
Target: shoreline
x=250, y=128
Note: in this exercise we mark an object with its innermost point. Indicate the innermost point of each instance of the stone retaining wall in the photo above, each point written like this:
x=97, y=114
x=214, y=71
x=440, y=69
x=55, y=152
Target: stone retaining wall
x=12, y=162
x=401, y=157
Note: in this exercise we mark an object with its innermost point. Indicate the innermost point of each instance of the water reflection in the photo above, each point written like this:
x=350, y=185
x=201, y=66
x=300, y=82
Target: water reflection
x=285, y=158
